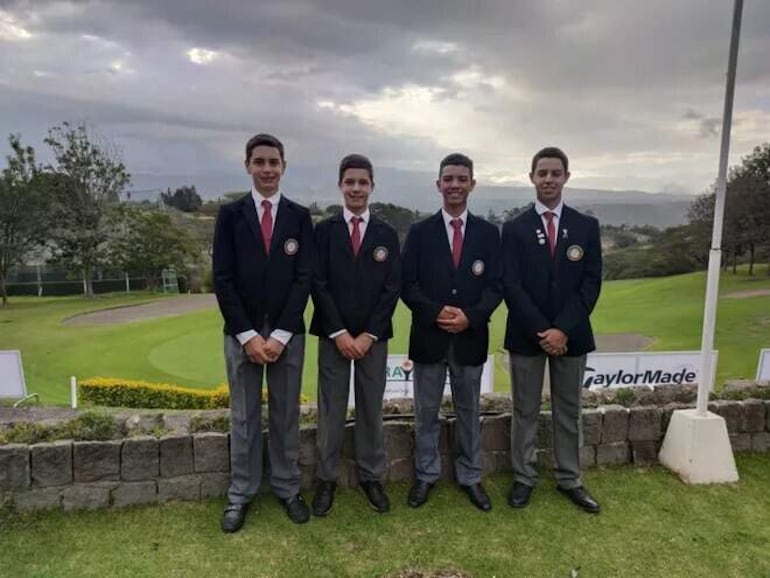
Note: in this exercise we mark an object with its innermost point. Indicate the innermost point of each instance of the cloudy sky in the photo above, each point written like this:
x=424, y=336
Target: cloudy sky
x=632, y=90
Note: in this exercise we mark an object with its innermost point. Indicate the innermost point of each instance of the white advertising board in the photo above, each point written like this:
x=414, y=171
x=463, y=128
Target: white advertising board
x=763, y=367
x=644, y=369
x=12, y=384
x=399, y=378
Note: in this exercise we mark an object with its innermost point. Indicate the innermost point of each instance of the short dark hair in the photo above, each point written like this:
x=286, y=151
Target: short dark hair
x=456, y=159
x=550, y=153
x=263, y=139
x=355, y=161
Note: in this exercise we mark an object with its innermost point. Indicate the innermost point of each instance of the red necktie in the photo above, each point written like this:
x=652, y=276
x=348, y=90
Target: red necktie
x=457, y=241
x=551, y=229
x=355, y=235
x=267, y=224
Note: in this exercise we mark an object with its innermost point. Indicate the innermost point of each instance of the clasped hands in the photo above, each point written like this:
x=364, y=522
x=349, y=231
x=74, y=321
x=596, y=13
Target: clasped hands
x=262, y=351
x=553, y=341
x=353, y=347
x=452, y=319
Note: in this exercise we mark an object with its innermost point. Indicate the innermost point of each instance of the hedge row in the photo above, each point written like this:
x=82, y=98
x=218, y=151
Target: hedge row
x=111, y=392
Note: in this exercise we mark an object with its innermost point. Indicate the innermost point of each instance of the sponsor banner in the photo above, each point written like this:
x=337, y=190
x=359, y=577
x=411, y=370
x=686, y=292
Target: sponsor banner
x=11, y=376
x=763, y=367
x=645, y=369
x=399, y=378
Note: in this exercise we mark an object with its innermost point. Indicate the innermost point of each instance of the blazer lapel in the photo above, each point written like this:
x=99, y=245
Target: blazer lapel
x=440, y=236
x=540, y=240
x=249, y=210
x=281, y=218
x=340, y=230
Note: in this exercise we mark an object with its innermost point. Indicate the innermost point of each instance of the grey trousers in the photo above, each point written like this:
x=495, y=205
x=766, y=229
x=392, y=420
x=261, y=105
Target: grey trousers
x=566, y=375
x=333, y=390
x=429, y=382
x=284, y=383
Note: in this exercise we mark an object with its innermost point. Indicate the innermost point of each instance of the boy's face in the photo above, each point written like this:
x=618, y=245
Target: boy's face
x=266, y=169
x=549, y=178
x=455, y=184
x=356, y=186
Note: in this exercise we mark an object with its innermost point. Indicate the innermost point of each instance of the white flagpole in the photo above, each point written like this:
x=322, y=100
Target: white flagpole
x=706, y=380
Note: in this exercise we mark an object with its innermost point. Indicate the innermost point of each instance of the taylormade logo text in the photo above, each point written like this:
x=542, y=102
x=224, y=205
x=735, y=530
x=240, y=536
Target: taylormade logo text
x=647, y=377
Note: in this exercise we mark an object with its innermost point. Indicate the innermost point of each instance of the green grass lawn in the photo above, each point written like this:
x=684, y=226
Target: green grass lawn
x=187, y=349
x=652, y=525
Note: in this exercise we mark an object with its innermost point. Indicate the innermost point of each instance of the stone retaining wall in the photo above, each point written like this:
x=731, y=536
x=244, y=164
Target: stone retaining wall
x=147, y=470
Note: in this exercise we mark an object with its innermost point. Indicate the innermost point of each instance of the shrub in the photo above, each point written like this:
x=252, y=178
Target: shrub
x=141, y=394
x=87, y=426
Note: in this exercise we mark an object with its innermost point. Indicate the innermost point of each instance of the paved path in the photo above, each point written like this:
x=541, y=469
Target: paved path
x=166, y=307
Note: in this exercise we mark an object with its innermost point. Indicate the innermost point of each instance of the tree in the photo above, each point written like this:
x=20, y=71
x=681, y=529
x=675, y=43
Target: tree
x=25, y=204
x=92, y=177
x=185, y=198
x=148, y=241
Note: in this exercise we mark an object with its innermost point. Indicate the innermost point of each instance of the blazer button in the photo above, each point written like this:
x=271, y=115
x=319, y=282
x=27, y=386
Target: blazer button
x=454, y=291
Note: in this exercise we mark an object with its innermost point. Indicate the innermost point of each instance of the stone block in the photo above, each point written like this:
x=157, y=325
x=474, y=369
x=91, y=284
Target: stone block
x=214, y=485
x=14, y=467
x=496, y=433
x=740, y=442
x=177, y=423
x=588, y=456
x=212, y=452
x=85, y=497
x=307, y=446
x=349, y=442
x=446, y=437
x=613, y=453
x=51, y=464
x=96, y=461
x=447, y=468
x=401, y=469
x=348, y=473
x=614, y=424
x=140, y=459
x=135, y=494
x=644, y=424
x=644, y=452
x=544, y=430
x=730, y=410
x=139, y=424
x=592, y=426
x=179, y=488
x=307, y=476
x=767, y=413
x=38, y=499
x=753, y=419
x=398, y=439
x=176, y=456
x=760, y=442
x=545, y=459
x=667, y=412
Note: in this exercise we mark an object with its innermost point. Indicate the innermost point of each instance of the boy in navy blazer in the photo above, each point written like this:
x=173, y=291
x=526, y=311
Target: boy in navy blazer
x=452, y=284
x=355, y=290
x=552, y=278
x=263, y=265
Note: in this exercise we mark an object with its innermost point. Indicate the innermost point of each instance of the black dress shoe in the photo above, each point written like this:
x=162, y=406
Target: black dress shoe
x=233, y=517
x=324, y=498
x=297, y=509
x=418, y=494
x=581, y=498
x=518, y=496
x=478, y=496
x=378, y=500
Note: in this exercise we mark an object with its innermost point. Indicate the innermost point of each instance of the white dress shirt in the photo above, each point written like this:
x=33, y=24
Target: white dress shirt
x=542, y=210
x=278, y=334
x=450, y=230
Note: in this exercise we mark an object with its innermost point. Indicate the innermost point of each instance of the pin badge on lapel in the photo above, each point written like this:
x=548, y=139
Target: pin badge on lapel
x=564, y=233
x=290, y=247
x=540, y=237
x=478, y=267
x=380, y=254
x=574, y=252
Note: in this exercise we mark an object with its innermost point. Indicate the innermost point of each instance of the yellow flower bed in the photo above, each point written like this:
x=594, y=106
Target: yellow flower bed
x=114, y=392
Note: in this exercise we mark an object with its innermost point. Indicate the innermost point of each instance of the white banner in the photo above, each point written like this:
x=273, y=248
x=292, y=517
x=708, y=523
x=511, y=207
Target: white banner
x=646, y=368
x=763, y=367
x=11, y=376
x=399, y=380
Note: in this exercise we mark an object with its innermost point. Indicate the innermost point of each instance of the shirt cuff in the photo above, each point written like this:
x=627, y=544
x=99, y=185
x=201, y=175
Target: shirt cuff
x=245, y=336
x=282, y=335
x=336, y=334
x=374, y=337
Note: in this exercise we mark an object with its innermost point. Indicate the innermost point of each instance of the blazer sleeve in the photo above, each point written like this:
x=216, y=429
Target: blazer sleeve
x=223, y=269
x=322, y=297
x=388, y=298
x=296, y=302
x=516, y=297
x=424, y=310
x=478, y=315
x=579, y=306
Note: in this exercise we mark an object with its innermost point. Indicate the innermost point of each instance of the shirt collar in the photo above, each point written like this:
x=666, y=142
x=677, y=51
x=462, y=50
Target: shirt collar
x=348, y=214
x=541, y=208
x=448, y=218
x=258, y=198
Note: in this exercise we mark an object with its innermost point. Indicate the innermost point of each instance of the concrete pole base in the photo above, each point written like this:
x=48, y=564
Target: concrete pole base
x=698, y=448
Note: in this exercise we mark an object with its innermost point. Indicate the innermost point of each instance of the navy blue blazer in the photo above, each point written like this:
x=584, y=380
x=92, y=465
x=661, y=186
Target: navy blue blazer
x=430, y=281
x=357, y=293
x=252, y=287
x=543, y=292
